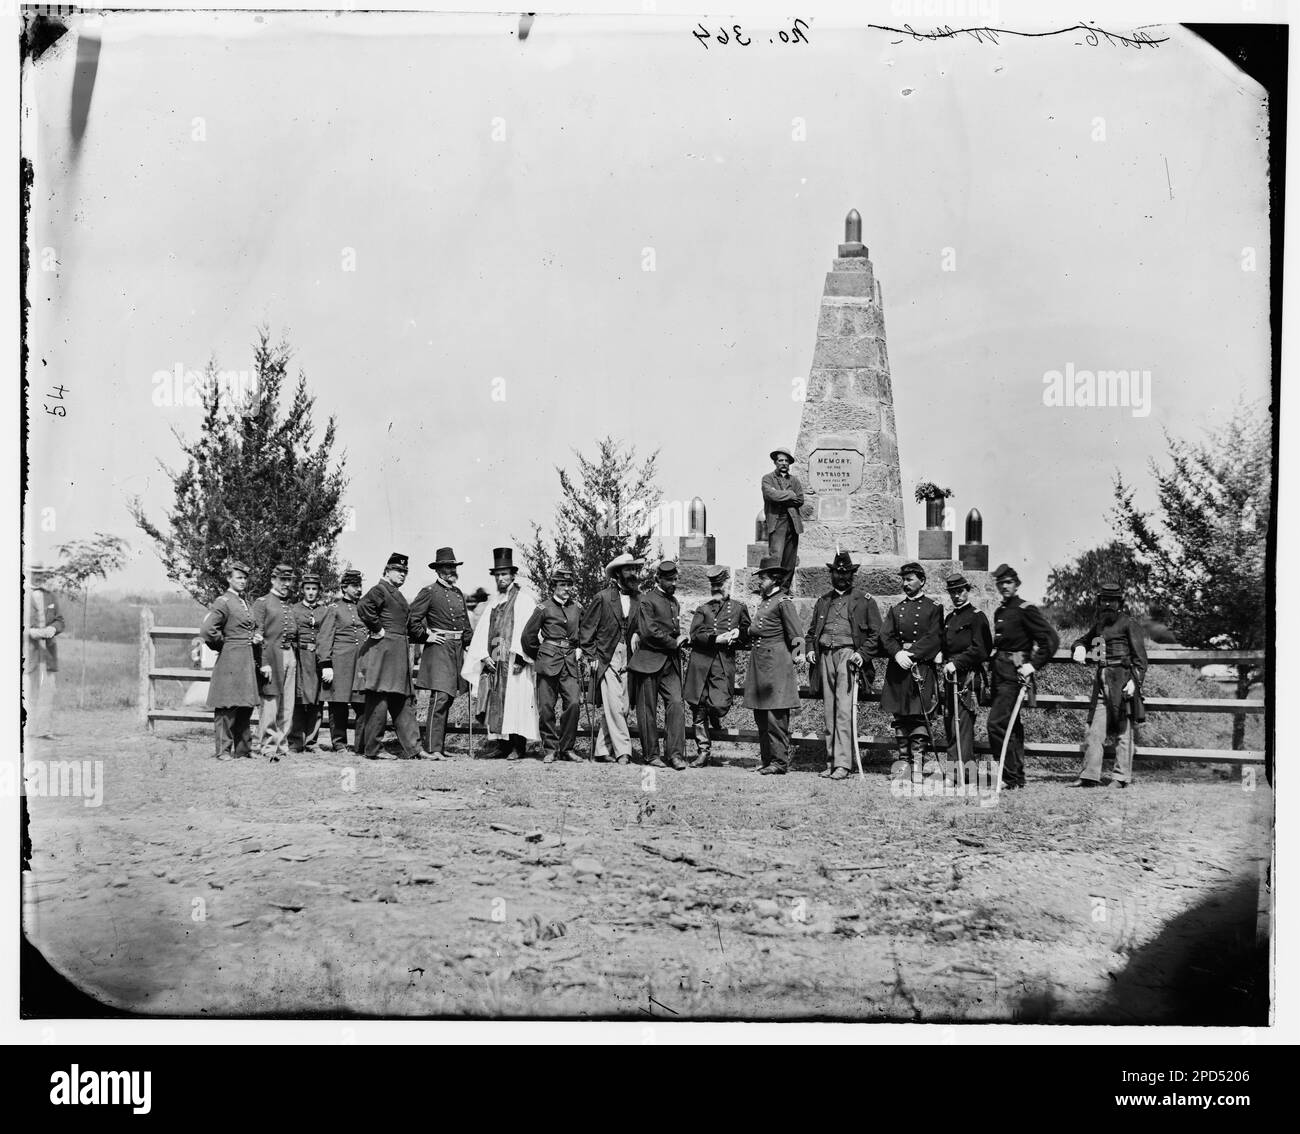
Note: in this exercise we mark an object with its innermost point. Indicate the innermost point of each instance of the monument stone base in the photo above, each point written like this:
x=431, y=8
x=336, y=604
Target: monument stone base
x=974, y=556
x=933, y=543
x=696, y=549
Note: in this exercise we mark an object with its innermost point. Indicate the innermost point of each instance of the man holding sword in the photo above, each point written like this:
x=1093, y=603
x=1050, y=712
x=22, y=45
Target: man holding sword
x=967, y=644
x=911, y=637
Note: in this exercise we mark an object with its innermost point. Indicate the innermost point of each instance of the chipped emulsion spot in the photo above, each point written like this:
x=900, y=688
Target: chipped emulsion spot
x=525, y=25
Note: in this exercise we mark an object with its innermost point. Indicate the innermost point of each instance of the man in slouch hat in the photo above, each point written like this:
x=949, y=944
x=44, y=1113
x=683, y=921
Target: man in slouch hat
x=1118, y=649
x=605, y=632
x=440, y=618
x=657, y=664
x=782, y=499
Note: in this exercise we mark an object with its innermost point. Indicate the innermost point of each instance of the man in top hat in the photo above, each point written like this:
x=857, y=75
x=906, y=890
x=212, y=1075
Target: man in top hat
x=551, y=639
x=386, y=663
x=771, y=681
x=967, y=645
x=719, y=628
x=842, y=638
x=279, y=669
x=782, y=499
x=1119, y=652
x=911, y=637
x=307, y=613
x=657, y=643
x=440, y=618
x=1023, y=642
x=605, y=633
x=230, y=629
x=495, y=664
x=338, y=643
x=40, y=654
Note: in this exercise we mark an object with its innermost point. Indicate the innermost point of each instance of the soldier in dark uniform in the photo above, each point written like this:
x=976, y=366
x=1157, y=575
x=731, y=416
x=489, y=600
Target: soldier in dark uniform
x=967, y=645
x=278, y=671
x=386, y=663
x=911, y=637
x=1120, y=655
x=440, y=617
x=719, y=628
x=1023, y=643
x=229, y=629
x=337, y=645
x=842, y=638
x=607, y=644
x=550, y=639
x=771, y=681
x=41, y=654
x=782, y=499
x=307, y=615
x=657, y=663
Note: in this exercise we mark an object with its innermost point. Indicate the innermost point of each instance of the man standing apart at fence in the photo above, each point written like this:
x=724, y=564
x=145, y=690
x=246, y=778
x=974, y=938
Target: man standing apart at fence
x=551, y=640
x=605, y=632
x=658, y=640
x=771, y=680
x=782, y=499
x=41, y=655
x=440, y=618
x=279, y=666
x=304, y=730
x=911, y=637
x=506, y=701
x=230, y=629
x=1023, y=642
x=1121, y=660
x=386, y=663
x=337, y=645
x=843, y=637
x=967, y=644
x=719, y=628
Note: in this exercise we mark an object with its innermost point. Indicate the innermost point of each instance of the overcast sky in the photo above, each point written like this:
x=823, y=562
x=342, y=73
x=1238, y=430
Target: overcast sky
x=498, y=197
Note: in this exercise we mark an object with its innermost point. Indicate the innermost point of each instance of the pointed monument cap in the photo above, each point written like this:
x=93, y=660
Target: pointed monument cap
x=852, y=245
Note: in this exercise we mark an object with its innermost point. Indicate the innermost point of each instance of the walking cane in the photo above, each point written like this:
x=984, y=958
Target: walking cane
x=471, y=722
x=853, y=722
x=1006, y=739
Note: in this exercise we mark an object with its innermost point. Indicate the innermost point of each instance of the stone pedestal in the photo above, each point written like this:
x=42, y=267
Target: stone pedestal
x=933, y=543
x=754, y=554
x=696, y=549
x=974, y=556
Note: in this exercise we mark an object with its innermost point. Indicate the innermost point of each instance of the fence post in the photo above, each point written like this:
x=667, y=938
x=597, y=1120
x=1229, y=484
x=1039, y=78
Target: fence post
x=146, y=664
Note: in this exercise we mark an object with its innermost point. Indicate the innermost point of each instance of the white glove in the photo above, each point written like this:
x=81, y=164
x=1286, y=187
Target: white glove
x=578, y=653
x=1130, y=688
x=1080, y=655
x=950, y=670
x=327, y=675
x=266, y=673
x=1026, y=670
x=904, y=659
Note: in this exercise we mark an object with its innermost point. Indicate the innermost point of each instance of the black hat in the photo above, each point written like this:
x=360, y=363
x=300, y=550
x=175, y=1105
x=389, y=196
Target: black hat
x=957, y=582
x=843, y=561
x=770, y=565
x=282, y=571
x=397, y=559
x=1003, y=570
x=351, y=575
x=667, y=569
x=446, y=558
x=502, y=559
x=912, y=568
x=561, y=575
x=310, y=577
x=715, y=570
x=233, y=565
x=778, y=451
x=1110, y=589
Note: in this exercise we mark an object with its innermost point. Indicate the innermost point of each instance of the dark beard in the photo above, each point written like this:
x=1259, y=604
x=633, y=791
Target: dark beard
x=1107, y=618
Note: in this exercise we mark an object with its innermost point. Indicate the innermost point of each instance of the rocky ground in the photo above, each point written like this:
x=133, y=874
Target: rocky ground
x=331, y=885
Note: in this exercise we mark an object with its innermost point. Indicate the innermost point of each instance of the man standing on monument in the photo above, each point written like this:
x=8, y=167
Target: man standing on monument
x=782, y=499
x=843, y=636
x=440, y=618
x=657, y=663
x=911, y=637
x=1023, y=642
x=1119, y=652
x=279, y=668
x=771, y=681
x=719, y=628
x=967, y=644
x=551, y=640
x=337, y=645
x=605, y=633
x=495, y=664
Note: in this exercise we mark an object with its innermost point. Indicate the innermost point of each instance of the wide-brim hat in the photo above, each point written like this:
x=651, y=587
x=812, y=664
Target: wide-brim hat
x=625, y=559
x=778, y=451
x=958, y=583
x=843, y=561
x=397, y=559
x=282, y=571
x=445, y=557
x=503, y=559
x=715, y=571
x=912, y=568
x=351, y=575
x=769, y=565
x=1003, y=570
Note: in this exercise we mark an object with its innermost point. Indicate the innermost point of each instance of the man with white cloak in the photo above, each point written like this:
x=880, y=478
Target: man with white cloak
x=501, y=677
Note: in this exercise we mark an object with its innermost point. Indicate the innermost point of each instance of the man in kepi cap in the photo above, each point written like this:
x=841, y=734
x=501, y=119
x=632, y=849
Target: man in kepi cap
x=551, y=640
x=229, y=629
x=719, y=628
x=1119, y=652
x=278, y=636
x=911, y=637
x=606, y=639
x=1023, y=643
x=771, y=682
x=41, y=655
x=386, y=663
x=657, y=644
x=440, y=618
x=307, y=615
x=337, y=647
x=842, y=638
x=782, y=499
x=967, y=644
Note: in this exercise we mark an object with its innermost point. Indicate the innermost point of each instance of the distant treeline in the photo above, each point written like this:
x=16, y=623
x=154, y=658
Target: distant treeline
x=116, y=617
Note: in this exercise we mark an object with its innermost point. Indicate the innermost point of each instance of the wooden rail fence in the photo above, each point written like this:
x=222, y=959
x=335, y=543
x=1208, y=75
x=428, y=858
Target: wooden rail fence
x=150, y=714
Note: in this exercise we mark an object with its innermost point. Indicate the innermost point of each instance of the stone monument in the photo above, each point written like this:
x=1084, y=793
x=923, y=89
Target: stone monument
x=696, y=546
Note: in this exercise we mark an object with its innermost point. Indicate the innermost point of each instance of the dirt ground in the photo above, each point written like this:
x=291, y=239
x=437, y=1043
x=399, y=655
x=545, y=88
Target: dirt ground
x=331, y=885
